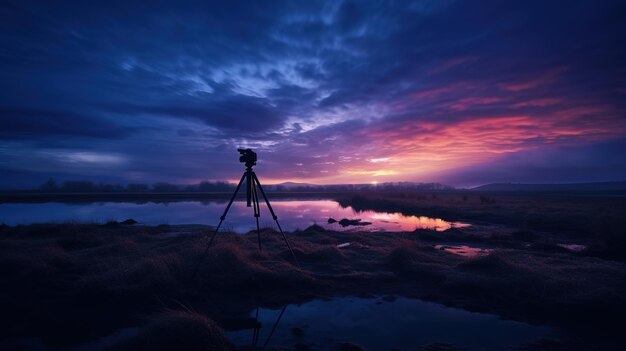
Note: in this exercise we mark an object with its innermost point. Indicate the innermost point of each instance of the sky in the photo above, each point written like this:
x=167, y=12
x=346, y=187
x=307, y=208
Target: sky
x=458, y=92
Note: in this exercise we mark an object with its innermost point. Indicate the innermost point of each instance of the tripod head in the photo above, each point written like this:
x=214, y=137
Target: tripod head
x=248, y=157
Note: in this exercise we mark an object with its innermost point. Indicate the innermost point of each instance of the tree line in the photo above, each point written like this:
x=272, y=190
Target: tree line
x=81, y=186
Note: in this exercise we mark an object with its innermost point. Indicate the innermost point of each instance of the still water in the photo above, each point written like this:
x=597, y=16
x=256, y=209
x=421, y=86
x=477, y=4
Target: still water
x=292, y=215
x=383, y=324
x=373, y=323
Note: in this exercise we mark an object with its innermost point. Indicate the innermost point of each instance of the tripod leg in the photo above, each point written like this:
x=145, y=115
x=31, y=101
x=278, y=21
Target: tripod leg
x=249, y=186
x=269, y=206
x=257, y=211
x=223, y=217
x=257, y=329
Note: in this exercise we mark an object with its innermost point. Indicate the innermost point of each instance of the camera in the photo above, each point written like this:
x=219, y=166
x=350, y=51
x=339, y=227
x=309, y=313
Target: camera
x=248, y=157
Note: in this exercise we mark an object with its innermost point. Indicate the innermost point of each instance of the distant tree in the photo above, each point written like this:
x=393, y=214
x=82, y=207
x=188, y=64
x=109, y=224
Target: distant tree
x=224, y=186
x=74, y=186
x=207, y=186
x=50, y=186
x=104, y=188
x=109, y=188
x=191, y=188
x=137, y=188
x=164, y=187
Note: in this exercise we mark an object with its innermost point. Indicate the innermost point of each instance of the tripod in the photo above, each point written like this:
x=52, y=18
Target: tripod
x=252, y=200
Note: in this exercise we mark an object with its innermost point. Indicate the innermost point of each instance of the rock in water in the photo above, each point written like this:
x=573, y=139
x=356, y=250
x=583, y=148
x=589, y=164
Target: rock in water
x=347, y=222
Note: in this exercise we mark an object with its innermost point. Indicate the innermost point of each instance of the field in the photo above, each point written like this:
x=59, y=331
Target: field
x=66, y=284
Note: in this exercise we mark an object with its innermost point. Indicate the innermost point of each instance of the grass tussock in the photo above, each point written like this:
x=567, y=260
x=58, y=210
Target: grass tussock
x=493, y=263
x=177, y=330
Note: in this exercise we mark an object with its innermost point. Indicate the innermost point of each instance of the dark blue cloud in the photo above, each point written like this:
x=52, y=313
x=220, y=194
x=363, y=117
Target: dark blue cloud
x=28, y=123
x=311, y=84
x=579, y=163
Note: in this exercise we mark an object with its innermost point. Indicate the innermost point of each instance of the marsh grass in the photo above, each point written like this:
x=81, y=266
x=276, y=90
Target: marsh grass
x=68, y=283
x=596, y=220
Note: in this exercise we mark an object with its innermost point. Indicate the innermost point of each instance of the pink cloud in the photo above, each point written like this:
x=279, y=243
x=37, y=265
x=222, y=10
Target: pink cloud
x=417, y=149
x=446, y=65
x=466, y=103
x=433, y=93
x=535, y=82
x=542, y=102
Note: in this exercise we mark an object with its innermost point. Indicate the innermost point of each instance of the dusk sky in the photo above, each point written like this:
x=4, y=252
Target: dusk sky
x=458, y=92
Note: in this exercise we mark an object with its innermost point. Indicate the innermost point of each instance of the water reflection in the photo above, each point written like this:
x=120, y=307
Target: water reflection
x=464, y=250
x=292, y=214
x=410, y=223
x=259, y=325
x=381, y=324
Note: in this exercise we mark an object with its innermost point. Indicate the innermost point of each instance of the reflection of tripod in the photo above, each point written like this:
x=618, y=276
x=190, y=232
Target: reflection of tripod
x=257, y=328
x=252, y=199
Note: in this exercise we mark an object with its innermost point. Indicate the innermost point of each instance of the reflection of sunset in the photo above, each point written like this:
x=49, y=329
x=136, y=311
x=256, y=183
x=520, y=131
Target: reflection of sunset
x=410, y=223
x=464, y=250
x=319, y=211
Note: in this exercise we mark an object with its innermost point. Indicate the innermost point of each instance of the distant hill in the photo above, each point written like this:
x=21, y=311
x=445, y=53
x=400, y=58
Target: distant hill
x=387, y=186
x=289, y=185
x=598, y=186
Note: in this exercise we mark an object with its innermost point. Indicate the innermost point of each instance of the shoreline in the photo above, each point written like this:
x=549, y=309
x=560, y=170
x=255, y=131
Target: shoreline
x=35, y=197
x=27, y=197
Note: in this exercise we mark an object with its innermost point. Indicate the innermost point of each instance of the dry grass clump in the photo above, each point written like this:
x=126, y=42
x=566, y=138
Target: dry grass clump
x=414, y=261
x=228, y=265
x=321, y=254
x=493, y=263
x=178, y=330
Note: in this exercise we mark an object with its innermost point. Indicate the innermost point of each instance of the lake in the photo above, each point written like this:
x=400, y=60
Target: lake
x=292, y=215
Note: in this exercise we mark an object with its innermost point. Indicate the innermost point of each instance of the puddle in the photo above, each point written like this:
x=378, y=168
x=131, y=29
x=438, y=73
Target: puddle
x=464, y=250
x=399, y=222
x=382, y=324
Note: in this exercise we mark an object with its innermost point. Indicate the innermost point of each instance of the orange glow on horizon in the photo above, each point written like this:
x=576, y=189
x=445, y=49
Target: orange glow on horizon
x=419, y=151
